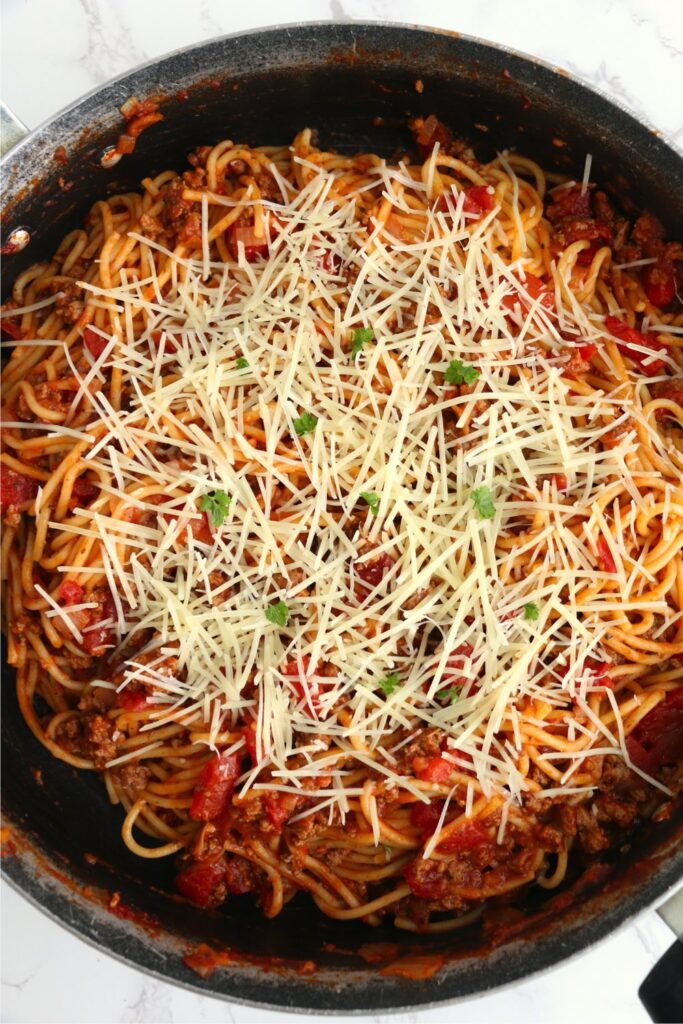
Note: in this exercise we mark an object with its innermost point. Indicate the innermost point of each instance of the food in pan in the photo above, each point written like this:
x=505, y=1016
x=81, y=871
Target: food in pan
x=343, y=523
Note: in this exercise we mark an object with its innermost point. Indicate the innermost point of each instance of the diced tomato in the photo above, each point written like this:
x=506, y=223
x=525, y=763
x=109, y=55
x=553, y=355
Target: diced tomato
x=83, y=492
x=204, y=884
x=372, y=571
x=276, y=811
x=561, y=481
x=10, y=328
x=537, y=291
x=132, y=697
x=238, y=876
x=433, y=769
x=94, y=342
x=606, y=561
x=453, y=674
x=99, y=637
x=249, y=733
x=254, y=247
x=305, y=687
x=564, y=203
x=211, y=796
x=200, y=526
x=478, y=200
x=627, y=337
x=428, y=133
x=426, y=816
x=168, y=342
x=468, y=836
x=587, y=351
x=658, y=739
x=426, y=879
x=659, y=282
x=16, y=489
x=71, y=592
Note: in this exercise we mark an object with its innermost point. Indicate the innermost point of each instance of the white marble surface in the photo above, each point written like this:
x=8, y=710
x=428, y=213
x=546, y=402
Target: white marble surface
x=55, y=50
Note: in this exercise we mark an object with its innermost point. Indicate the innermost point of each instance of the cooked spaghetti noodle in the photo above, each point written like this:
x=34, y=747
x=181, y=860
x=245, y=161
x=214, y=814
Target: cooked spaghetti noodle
x=344, y=520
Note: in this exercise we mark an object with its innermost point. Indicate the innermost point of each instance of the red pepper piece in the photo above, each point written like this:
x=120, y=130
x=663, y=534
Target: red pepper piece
x=305, y=688
x=203, y=884
x=211, y=796
x=433, y=769
x=627, y=337
x=426, y=816
x=564, y=203
x=94, y=342
x=658, y=739
x=254, y=247
x=606, y=561
x=132, y=698
x=98, y=638
x=468, y=836
x=659, y=282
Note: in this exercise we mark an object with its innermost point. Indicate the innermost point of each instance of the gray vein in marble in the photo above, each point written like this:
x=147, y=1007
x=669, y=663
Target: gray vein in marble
x=339, y=12
x=110, y=42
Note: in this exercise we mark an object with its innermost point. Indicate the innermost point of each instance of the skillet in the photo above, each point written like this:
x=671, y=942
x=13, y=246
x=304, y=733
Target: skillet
x=356, y=84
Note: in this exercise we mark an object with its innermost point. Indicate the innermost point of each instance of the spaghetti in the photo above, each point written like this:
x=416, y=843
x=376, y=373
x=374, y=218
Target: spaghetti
x=343, y=523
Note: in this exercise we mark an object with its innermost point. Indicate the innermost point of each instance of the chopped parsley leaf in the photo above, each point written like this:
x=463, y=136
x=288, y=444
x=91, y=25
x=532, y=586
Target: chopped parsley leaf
x=278, y=613
x=531, y=611
x=389, y=683
x=461, y=373
x=216, y=505
x=360, y=337
x=372, y=499
x=483, y=502
x=305, y=423
x=450, y=694
x=242, y=363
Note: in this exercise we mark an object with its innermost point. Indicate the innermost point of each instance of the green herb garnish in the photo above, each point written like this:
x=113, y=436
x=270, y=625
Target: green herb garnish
x=305, y=423
x=389, y=683
x=360, y=337
x=482, y=500
x=531, y=611
x=242, y=363
x=278, y=613
x=450, y=694
x=461, y=373
x=216, y=505
x=372, y=499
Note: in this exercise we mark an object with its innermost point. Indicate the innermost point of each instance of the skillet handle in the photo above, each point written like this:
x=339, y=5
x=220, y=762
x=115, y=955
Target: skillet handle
x=11, y=129
x=662, y=991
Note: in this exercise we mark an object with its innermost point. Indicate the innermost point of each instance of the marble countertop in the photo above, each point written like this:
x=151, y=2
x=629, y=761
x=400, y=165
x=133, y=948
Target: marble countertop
x=629, y=49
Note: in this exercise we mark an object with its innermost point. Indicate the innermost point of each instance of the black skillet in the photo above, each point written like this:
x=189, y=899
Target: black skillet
x=356, y=84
